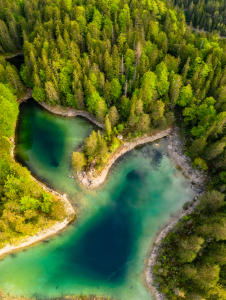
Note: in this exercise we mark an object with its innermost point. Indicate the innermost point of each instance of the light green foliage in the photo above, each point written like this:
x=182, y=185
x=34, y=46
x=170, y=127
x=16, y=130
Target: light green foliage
x=185, y=95
x=7, y=93
x=163, y=83
x=25, y=205
x=39, y=94
x=51, y=92
x=90, y=145
x=65, y=81
x=46, y=202
x=28, y=203
x=102, y=146
x=129, y=58
x=157, y=110
x=113, y=115
x=78, y=161
x=96, y=104
x=147, y=87
x=139, y=107
x=9, y=111
x=124, y=17
x=199, y=162
x=174, y=90
x=114, y=144
x=144, y=123
x=189, y=248
x=115, y=89
x=107, y=126
x=124, y=107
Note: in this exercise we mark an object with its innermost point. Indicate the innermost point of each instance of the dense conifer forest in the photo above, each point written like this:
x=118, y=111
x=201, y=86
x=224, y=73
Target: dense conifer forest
x=207, y=14
x=136, y=67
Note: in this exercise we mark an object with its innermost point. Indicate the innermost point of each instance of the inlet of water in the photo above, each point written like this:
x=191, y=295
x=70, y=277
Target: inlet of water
x=17, y=61
x=104, y=252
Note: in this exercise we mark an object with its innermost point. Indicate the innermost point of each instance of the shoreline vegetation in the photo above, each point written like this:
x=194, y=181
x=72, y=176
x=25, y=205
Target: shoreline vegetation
x=89, y=179
x=30, y=211
x=134, y=65
x=46, y=232
x=156, y=246
x=27, y=95
x=92, y=180
x=183, y=163
x=198, y=179
x=70, y=112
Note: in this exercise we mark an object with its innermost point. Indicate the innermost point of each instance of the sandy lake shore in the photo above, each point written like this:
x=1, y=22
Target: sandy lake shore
x=42, y=234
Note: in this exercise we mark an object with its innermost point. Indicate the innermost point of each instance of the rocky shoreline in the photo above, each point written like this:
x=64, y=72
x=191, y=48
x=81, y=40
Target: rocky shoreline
x=70, y=112
x=42, y=234
x=7, y=56
x=156, y=247
x=197, y=184
x=27, y=96
x=91, y=181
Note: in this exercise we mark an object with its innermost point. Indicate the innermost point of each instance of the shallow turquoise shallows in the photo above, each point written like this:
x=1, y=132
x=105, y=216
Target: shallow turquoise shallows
x=104, y=252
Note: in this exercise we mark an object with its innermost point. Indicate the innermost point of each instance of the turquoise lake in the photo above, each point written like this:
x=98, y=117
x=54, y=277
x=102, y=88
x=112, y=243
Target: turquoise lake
x=105, y=251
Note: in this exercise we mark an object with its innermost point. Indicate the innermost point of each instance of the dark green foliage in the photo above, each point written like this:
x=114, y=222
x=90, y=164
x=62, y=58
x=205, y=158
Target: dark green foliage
x=208, y=14
x=194, y=253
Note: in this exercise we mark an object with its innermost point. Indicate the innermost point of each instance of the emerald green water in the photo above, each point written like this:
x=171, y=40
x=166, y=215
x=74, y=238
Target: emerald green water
x=104, y=252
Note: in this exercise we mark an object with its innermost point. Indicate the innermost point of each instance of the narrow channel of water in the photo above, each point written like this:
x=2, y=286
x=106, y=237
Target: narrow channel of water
x=17, y=61
x=104, y=252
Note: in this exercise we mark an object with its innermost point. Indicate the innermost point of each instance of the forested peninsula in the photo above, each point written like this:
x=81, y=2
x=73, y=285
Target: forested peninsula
x=136, y=67
x=27, y=208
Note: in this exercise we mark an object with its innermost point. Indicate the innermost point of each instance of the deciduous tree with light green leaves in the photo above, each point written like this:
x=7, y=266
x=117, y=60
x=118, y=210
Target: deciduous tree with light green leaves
x=185, y=96
x=78, y=161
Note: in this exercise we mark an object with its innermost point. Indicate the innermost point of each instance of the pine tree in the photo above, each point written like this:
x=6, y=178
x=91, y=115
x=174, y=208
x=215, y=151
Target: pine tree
x=107, y=128
x=186, y=68
x=144, y=123
x=113, y=115
x=174, y=90
x=91, y=144
x=5, y=39
x=102, y=145
x=78, y=161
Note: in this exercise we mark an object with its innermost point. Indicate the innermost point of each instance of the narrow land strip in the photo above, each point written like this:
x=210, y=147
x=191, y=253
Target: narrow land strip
x=90, y=180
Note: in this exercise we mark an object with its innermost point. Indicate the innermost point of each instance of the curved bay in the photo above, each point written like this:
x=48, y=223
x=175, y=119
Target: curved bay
x=104, y=252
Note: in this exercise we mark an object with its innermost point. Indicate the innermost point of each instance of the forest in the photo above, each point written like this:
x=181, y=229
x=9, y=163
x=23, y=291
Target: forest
x=136, y=67
x=209, y=15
